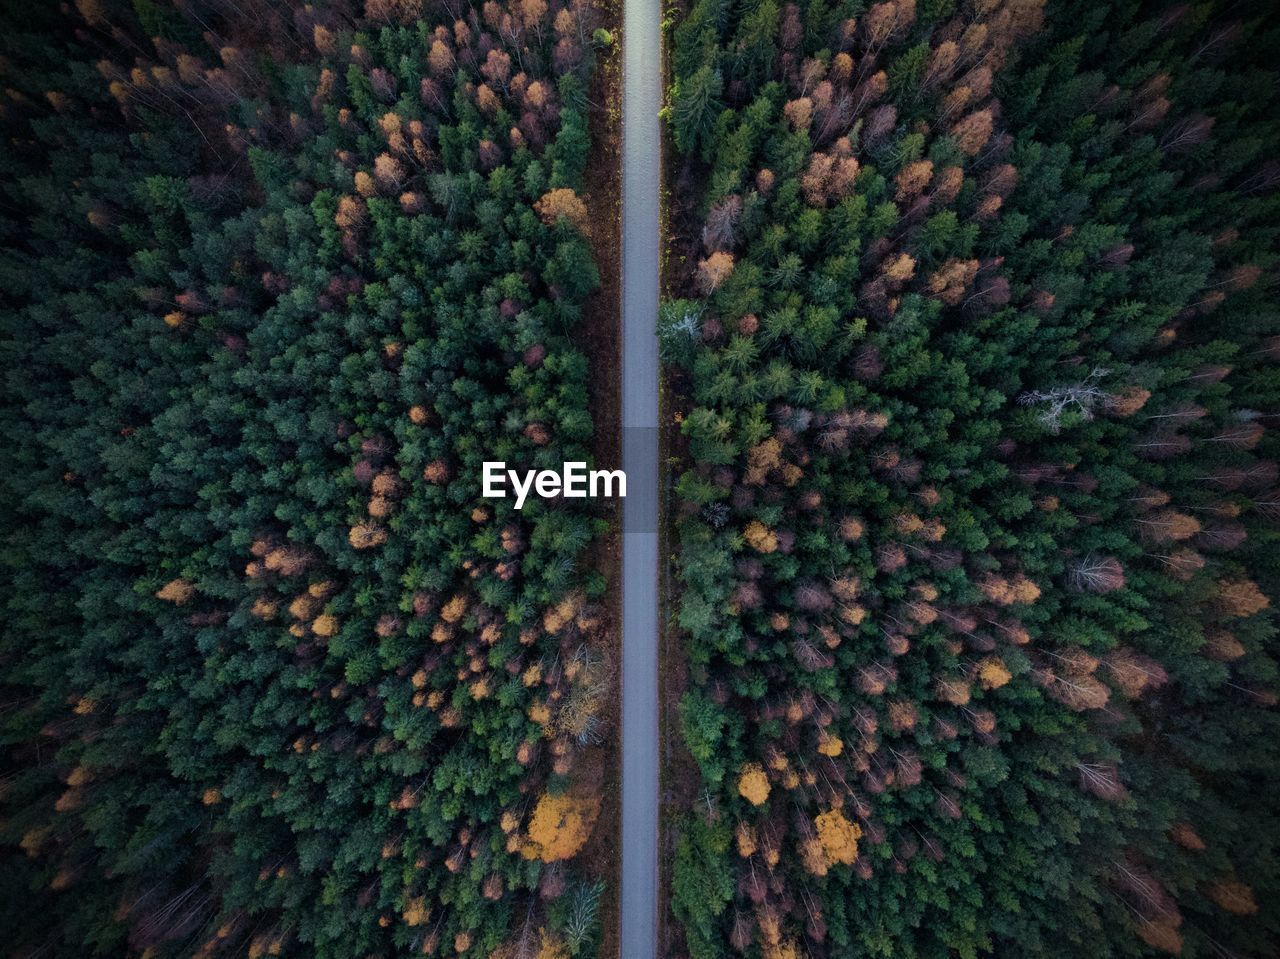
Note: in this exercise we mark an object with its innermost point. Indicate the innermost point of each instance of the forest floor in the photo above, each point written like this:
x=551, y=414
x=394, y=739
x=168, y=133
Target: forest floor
x=680, y=777
x=599, y=338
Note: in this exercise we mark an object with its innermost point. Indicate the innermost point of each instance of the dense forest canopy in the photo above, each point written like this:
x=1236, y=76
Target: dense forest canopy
x=276, y=279
x=973, y=344
x=975, y=338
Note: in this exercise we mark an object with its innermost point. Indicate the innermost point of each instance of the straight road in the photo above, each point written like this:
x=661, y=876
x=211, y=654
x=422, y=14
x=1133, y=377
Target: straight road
x=641, y=165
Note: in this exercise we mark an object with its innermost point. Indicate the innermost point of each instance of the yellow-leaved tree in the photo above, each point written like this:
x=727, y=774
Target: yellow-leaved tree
x=565, y=203
x=753, y=784
x=839, y=837
x=560, y=827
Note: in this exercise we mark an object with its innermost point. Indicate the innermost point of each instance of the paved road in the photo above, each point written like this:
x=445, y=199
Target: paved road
x=641, y=163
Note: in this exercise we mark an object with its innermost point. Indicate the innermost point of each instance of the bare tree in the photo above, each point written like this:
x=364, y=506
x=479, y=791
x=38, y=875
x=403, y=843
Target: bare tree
x=1085, y=396
x=1096, y=574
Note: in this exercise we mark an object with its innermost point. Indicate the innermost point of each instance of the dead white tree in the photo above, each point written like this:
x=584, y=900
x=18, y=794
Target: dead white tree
x=1096, y=574
x=1085, y=397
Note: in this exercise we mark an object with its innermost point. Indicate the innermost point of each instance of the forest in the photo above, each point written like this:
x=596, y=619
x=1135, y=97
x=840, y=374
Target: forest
x=972, y=338
x=971, y=507
x=276, y=680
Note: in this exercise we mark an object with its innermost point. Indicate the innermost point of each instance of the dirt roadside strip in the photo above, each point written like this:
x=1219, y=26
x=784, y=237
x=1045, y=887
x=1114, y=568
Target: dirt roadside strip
x=641, y=166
